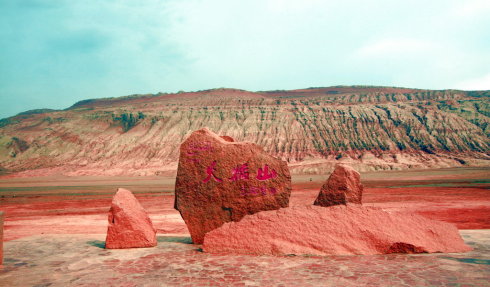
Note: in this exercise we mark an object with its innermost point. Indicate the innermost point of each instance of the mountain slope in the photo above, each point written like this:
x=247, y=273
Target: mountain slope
x=370, y=127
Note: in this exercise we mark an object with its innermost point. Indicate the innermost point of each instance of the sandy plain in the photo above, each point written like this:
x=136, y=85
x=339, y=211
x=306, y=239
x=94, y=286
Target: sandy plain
x=55, y=230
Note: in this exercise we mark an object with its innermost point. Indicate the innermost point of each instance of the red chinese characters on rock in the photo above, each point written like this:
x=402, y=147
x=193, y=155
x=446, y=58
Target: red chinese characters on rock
x=196, y=149
x=264, y=174
x=210, y=172
x=253, y=190
x=241, y=172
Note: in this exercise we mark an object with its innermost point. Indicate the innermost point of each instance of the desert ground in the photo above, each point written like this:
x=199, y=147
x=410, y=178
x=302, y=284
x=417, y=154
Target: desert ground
x=55, y=229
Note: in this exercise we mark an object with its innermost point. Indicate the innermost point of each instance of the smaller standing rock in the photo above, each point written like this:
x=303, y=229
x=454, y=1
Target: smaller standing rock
x=129, y=224
x=342, y=187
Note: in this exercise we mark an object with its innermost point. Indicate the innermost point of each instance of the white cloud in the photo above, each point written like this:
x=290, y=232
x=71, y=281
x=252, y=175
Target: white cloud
x=253, y=44
x=480, y=83
x=395, y=46
x=471, y=8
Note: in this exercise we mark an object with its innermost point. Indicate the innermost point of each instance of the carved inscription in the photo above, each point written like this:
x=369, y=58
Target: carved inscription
x=210, y=172
x=196, y=148
x=242, y=173
x=264, y=174
x=254, y=190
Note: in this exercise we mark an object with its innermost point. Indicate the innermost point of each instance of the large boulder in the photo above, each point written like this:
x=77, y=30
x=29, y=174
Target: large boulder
x=220, y=180
x=129, y=224
x=342, y=187
x=341, y=229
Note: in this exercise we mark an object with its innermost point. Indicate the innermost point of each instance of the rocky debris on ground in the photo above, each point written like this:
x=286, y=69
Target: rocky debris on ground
x=220, y=180
x=129, y=224
x=340, y=229
x=342, y=187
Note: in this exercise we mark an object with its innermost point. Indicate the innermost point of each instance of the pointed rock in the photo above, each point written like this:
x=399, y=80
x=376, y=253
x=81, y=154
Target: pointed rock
x=342, y=187
x=340, y=229
x=220, y=180
x=129, y=224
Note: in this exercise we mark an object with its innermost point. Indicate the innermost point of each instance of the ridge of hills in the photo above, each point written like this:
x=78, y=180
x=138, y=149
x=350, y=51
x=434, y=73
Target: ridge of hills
x=371, y=128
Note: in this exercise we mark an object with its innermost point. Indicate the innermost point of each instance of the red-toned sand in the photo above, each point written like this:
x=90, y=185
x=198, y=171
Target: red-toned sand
x=62, y=211
x=84, y=216
x=466, y=207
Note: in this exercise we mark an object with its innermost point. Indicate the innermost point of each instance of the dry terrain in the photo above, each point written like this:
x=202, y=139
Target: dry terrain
x=60, y=205
x=371, y=128
x=55, y=228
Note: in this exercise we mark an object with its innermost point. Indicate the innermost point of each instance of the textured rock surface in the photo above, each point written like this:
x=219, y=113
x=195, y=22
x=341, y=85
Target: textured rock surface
x=219, y=180
x=1, y=236
x=351, y=229
x=129, y=224
x=342, y=187
x=370, y=128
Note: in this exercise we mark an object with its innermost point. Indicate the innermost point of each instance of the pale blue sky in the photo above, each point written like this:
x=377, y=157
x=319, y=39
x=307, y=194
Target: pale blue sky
x=54, y=53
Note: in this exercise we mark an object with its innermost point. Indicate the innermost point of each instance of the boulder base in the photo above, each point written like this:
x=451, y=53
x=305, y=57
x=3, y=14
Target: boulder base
x=342, y=187
x=129, y=224
x=220, y=180
x=341, y=229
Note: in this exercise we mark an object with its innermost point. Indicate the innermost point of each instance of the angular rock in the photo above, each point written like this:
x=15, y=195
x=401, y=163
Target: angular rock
x=341, y=229
x=342, y=187
x=129, y=224
x=220, y=180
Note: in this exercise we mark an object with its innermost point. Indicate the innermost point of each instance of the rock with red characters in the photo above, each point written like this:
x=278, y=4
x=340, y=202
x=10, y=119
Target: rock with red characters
x=340, y=229
x=220, y=180
x=342, y=187
x=129, y=224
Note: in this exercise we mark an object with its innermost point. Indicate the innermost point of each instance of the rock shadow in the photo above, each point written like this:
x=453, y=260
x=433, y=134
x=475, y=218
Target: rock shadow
x=469, y=260
x=178, y=239
x=97, y=243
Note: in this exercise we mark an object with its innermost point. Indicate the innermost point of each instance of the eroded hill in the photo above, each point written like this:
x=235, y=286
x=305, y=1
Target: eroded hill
x=369, y=127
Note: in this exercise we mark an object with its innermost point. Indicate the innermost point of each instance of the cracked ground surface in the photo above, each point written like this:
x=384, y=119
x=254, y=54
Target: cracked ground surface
x=55, y=231
x=81, y=260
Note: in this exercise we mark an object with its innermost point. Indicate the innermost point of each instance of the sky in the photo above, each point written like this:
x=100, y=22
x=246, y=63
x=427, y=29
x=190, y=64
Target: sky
x=54, y=53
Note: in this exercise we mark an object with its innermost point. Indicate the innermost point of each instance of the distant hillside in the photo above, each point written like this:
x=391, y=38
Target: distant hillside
x=369, y=127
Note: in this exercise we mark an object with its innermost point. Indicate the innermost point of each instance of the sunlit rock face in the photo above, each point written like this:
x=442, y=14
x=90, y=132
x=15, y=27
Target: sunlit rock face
x=340, y=229
x=369, y=128
x=342, y=187
x=129, y=224
x=220, y=180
